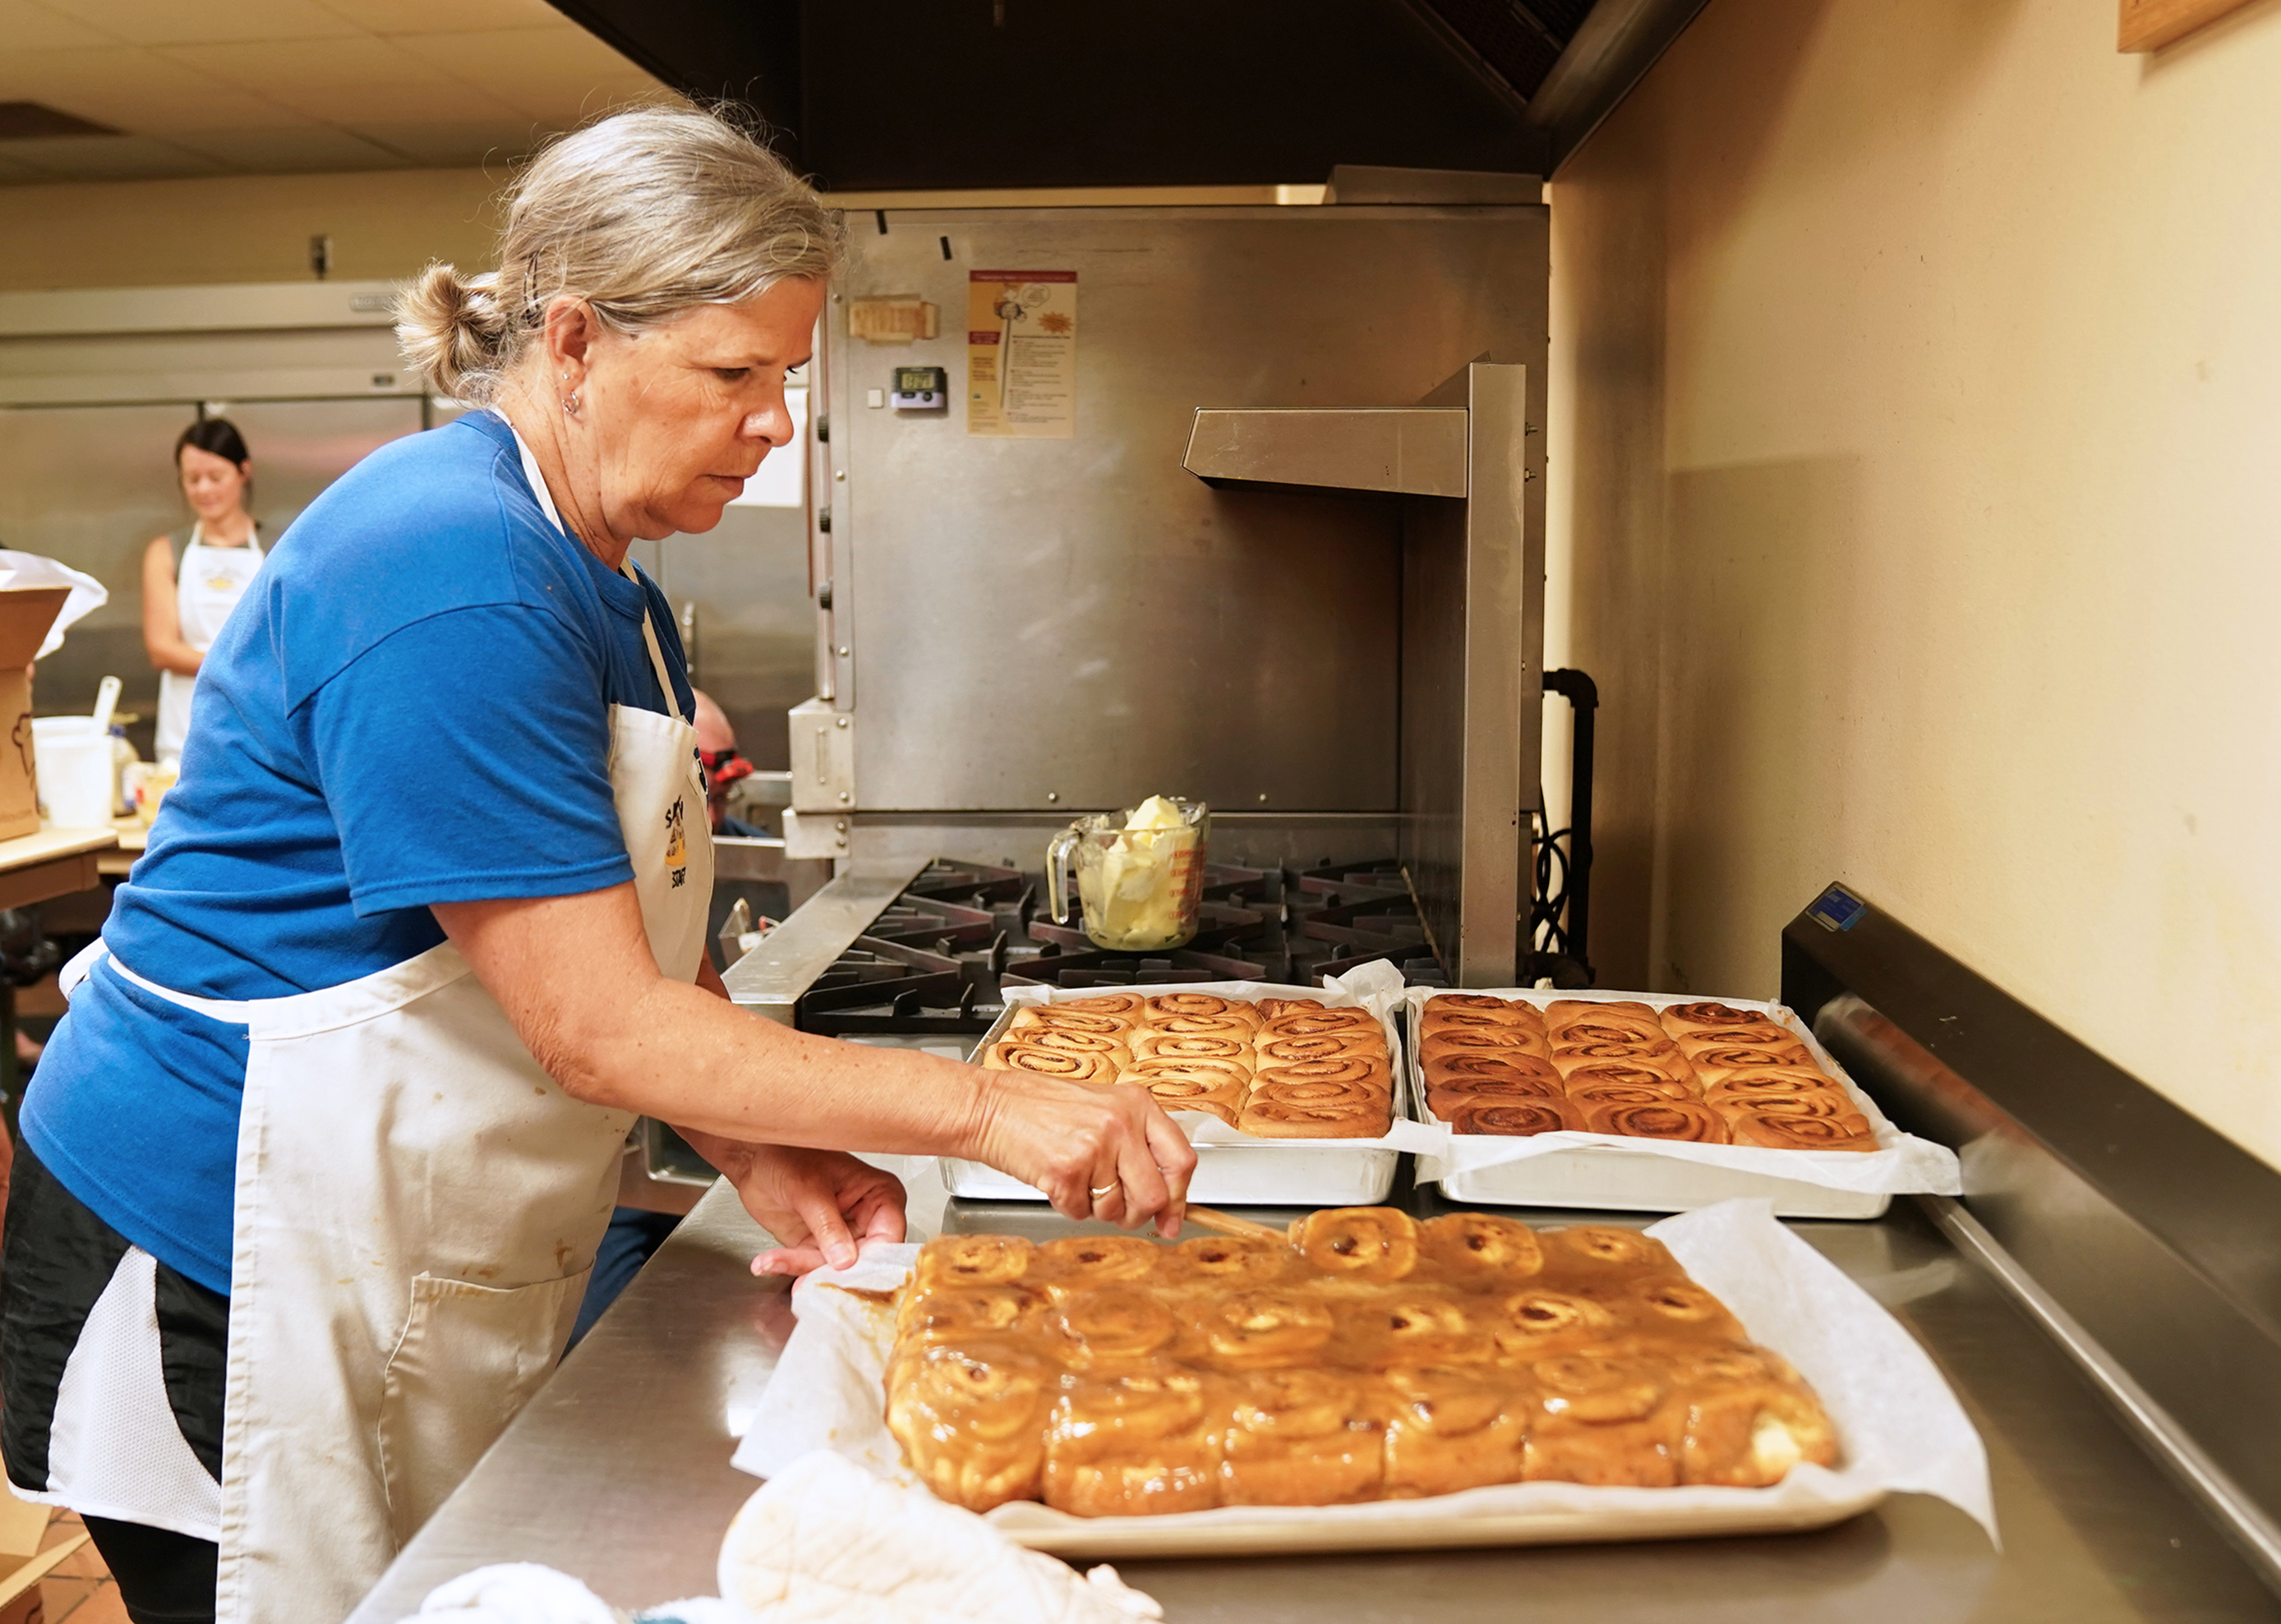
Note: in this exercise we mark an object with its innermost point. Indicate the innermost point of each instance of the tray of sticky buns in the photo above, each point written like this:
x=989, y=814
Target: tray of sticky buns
x=1288, y=1092
x=1369, y=1381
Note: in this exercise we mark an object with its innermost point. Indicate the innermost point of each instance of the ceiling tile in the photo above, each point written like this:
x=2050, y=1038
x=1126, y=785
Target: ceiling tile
x=170, y=22
x=447, y=15
x=132, y=90
x=302, y=150
x=109, y=158
x=28, y=26
x=469, y=145
x=555, y=74
x=346, y=82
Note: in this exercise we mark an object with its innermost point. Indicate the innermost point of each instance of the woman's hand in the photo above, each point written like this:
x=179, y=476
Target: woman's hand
x=1071, y=1139
x=820, y=1205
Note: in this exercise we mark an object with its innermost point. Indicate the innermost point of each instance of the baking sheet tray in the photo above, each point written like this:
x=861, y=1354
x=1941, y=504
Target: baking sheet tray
x=1235, y=1168
x=1648, y=1176
x=1902, y=1429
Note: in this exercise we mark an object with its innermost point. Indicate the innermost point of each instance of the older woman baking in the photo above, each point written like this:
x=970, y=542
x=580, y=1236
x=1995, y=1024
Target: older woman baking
x=318, y=1161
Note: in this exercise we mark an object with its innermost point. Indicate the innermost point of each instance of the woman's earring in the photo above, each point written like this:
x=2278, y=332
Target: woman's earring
x=570, y=404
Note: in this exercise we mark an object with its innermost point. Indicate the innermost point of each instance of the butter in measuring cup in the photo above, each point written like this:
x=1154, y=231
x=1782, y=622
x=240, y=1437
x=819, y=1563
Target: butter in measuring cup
x=1139, y=874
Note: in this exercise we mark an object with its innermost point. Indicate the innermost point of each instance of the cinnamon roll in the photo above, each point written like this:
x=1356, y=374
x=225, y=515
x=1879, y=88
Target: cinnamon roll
x=1427, y=1326
x=1112, y=1327
x=1290, y=1049
x=1766, y=1036
x=1679, y=1019
x=1489, y=1071
x=1123, y=1006
x=1806, y=1103
x=1031, y=1018
x=1213, y=1086
x=1267, y=1118
x=1516, y=1118
x=1451, y=1429
x=1302, y=1437
x=1672, y=1306
x=1476, y=1040
x=1071, y=1041
x=1689, y=1121
x=1311, y=1023
x=1479, y=1249
x=1164, y=1005
x=1236, y=1260
x=1269, y=1008
x=1019, y=1054
x=1354, y=1071
x=1609, y=1246
x=1598, y=1042
x=1564, y=1012
x=1776, y=1132
x=1135, y=1445
x=1373, y=1244
x=955, y=1260
x=1591, y=1095
x=968, y=1311
x=1259, y=1329
x=1767, y=1082
x=1244, y=1027
x=1531, y=1324
x=971, y=1420
x=1292, y=1086
x=1154, y=1044
x=1715, y=1064
x=1081, y=1262
x=1481, y=1006
x=1750, y=1420
x=1602, y=1420
x=1633, y=1067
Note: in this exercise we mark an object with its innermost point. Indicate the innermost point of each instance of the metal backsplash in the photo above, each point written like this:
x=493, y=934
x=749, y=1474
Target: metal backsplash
x=1078, y=622
x=2146, y=1244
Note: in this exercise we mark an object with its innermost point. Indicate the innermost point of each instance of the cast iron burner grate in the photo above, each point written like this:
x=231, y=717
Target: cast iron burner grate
x=935, y=961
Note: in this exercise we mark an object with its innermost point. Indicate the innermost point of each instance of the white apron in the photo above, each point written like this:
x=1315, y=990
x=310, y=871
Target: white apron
x=207, y=585
x=418, y=1205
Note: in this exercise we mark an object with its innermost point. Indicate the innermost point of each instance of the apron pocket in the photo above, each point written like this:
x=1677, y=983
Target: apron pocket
x=470, y=1358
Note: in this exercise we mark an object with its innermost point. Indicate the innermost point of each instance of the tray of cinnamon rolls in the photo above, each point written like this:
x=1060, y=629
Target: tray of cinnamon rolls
x=1288, y=1093
x=1651, y=1102
x=1368, y=1379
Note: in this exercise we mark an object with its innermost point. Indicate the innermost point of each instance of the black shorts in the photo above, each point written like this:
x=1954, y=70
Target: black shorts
x=70, y=1376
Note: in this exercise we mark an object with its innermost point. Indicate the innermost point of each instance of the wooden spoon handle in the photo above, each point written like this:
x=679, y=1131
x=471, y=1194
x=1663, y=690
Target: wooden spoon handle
x=1227, y=1223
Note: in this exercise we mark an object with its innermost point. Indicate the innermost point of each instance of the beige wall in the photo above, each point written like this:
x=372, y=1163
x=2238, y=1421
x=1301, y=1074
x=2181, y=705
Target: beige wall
x=1917, y=504
x=243, y=228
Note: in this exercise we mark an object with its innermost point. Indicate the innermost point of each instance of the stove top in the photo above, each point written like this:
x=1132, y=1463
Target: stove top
x=933, y=964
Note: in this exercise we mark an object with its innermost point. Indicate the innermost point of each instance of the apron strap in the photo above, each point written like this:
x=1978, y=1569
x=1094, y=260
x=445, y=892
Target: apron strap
x=656, y=650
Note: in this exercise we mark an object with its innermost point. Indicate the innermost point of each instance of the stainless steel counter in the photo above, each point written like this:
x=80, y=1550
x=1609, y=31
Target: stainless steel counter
x=618, y=1472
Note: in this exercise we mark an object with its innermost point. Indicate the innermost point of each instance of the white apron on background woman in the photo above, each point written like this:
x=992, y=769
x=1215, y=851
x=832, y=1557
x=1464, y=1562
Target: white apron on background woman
x=418, y=1203
x=208, y=582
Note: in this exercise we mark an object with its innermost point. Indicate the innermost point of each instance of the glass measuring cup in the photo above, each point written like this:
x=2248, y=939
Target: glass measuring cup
x=1140, y=873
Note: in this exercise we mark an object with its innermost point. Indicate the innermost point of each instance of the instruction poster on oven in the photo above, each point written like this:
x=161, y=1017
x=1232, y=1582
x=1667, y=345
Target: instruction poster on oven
x=1021, y=354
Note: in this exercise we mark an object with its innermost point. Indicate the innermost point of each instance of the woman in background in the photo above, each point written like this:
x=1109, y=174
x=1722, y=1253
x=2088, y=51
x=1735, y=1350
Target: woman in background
x=192, y=578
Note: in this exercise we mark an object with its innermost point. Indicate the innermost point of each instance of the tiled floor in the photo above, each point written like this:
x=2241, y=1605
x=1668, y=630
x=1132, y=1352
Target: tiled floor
x=81, y=1587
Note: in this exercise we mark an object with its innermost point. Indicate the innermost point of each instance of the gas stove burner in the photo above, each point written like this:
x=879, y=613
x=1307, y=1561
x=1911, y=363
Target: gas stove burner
x=935, y=961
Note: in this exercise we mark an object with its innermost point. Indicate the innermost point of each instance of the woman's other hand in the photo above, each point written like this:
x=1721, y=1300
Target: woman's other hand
x=821, y=1206
x=1074, y=1139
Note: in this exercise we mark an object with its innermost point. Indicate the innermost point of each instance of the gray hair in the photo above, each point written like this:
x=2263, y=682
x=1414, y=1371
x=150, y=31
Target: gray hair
x=644, y=215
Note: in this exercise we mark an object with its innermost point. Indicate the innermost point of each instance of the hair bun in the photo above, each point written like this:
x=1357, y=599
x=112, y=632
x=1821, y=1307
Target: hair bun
x=451, y=330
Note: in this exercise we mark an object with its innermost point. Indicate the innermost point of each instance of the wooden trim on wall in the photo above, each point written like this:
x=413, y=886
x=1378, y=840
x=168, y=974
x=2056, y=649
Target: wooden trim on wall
x=2149, y=25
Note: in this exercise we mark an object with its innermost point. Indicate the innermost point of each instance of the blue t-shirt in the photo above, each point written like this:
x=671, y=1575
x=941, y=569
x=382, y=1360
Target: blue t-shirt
x=410, y=706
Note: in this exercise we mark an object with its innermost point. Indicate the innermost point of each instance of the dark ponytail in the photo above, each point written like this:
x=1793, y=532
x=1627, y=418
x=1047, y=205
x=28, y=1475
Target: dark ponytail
x=216, y=436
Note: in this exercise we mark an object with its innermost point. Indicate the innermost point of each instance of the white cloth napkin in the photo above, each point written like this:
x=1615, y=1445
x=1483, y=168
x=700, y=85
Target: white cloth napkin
x=826, y=1541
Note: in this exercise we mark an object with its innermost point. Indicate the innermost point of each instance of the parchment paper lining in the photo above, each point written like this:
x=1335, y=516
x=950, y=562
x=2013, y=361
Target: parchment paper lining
x=1902, y=1429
